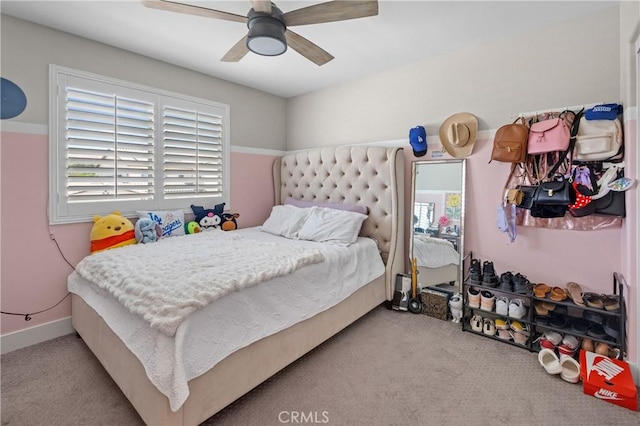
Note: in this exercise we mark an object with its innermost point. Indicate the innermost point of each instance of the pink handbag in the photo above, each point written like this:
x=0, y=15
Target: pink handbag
x=548, y=136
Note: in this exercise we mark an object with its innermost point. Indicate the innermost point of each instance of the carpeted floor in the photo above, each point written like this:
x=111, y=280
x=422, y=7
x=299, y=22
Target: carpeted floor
x=389, y=368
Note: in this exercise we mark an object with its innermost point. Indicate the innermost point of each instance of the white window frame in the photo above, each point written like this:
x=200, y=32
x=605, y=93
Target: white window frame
x=61, y=211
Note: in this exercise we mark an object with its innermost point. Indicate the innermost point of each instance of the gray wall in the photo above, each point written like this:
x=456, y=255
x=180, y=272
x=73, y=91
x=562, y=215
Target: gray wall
x=27, y=49
x=565, y=64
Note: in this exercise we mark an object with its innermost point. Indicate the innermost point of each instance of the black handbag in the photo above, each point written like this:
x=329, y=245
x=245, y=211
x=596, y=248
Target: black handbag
x=554, y=193
x=612, y=204
x=528, y=192
x=548, y=211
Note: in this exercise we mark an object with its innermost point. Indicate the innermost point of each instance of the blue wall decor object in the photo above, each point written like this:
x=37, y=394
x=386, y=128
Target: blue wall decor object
x=13, y=98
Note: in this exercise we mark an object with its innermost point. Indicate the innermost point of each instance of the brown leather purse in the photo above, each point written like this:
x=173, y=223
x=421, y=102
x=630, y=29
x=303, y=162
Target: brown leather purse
x=510, y=143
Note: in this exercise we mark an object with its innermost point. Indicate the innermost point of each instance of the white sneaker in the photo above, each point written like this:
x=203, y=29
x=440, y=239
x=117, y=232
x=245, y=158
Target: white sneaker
x=517, y=308
x=502, y=306
x=476, y=323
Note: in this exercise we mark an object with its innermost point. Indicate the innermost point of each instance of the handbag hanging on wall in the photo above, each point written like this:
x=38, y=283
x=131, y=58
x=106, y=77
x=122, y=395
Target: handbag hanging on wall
x=510, y=143
x=548, y=136
x=599, y=140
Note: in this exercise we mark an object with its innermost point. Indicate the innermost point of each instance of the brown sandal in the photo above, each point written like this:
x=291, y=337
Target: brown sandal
x=575, y=293
x=541, y=290
x=558, y=294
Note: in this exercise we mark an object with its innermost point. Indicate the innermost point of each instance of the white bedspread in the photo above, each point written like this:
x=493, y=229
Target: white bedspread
x=151, y=280
x=434, y=252
x=240, y=318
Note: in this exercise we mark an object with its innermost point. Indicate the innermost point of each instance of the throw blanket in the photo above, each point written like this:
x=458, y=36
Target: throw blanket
x=167, y=280
x=434, y=252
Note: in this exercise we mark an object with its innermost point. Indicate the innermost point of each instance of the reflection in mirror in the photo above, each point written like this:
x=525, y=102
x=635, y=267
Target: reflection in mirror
x=437, y=237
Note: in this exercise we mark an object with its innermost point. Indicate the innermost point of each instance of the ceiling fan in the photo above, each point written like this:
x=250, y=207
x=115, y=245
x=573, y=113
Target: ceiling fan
x=269, y=34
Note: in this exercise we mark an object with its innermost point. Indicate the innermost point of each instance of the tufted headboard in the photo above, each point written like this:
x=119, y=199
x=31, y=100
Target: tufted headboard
x=369, y=176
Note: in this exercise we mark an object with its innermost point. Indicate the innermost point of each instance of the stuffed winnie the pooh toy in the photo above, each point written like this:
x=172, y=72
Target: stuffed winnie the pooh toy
x=111, y=231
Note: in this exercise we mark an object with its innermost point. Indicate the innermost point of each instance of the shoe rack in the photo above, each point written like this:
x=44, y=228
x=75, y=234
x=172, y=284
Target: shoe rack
x=569, y=318
x=469, y=312
x=585, y=322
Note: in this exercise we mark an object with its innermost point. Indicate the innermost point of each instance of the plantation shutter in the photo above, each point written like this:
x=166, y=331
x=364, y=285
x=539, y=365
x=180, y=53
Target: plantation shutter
x=192, y=154
x=109, y=146
x=121, y=146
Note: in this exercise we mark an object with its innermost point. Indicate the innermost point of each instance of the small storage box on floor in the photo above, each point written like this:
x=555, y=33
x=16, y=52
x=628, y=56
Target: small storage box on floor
x=435, y=303
x=608, y=379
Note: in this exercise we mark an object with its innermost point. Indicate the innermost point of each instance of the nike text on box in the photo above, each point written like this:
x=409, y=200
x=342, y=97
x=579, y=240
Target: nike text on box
x=608, y=379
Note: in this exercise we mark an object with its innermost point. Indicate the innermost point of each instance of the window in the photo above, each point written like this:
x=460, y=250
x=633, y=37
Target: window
x=422, y=216
x=120, y=146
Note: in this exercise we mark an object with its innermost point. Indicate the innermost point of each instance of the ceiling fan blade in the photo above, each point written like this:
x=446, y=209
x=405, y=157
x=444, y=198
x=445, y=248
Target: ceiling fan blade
x=331, y=11
x=307, y=49
x=237, y=52
x=262, y=6
x=193, y=10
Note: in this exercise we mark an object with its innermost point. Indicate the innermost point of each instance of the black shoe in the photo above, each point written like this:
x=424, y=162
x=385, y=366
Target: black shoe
x=489, y=277
x=506, y=281
x=475, y=275
x=487, y=268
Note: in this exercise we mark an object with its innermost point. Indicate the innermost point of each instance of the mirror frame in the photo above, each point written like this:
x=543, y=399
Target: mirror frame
x=463, y=164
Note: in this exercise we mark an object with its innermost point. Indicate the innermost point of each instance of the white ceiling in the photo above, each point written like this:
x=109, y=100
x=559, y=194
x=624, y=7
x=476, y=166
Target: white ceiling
x=404, y=32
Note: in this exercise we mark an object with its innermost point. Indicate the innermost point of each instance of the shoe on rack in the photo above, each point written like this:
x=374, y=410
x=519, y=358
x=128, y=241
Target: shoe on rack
x=521, y=284
x=541, y=289
x=570, y=369
x=502, y=306
x=611, y=302
x=517, y=308
x=475, y=272
x=489, y=327
x=519, y=338
x=506, y=283
x=473, y=297
x=574, y=291
x=587, y=345
x=487, y=299
x=489, y=277
x=519, y=327
x=504, y=334
x=550, y=361
x=550, y=339
x=602, y=349
x=569, y=345
x=501, y=324
x=476, y=323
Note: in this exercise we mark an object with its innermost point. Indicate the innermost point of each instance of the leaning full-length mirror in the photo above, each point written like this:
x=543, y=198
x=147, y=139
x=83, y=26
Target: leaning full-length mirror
x=437, y=233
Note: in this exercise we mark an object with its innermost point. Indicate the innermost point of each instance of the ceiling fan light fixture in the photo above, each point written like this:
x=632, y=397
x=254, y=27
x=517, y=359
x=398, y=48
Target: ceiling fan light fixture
x=266, y=33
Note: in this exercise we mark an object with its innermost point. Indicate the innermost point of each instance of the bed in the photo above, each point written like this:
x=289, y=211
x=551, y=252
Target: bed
x=366, y=176
x=437, y=260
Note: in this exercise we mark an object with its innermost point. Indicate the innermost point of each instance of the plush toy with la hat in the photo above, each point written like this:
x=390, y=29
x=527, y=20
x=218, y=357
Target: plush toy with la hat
x=458, y=134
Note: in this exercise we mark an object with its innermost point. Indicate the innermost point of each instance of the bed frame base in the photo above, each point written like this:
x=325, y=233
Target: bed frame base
x=232, y=377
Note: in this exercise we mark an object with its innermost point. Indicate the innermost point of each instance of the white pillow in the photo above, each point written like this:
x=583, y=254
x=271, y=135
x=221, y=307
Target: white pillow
x=330, y=225
x=286, y=221
x=171, y=222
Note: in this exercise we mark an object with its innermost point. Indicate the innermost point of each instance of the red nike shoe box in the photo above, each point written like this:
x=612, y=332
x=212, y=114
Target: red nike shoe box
x=608, y=379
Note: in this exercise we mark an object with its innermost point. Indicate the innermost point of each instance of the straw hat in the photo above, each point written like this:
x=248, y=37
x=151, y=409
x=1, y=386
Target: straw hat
x=458, y=134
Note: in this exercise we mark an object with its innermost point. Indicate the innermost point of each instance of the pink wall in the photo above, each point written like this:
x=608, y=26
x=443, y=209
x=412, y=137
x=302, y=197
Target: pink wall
x=33, y=272
x=546, y=255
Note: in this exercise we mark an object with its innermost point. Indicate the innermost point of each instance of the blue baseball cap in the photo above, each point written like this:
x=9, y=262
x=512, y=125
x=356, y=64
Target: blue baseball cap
x=603, y=112
x=418, y=141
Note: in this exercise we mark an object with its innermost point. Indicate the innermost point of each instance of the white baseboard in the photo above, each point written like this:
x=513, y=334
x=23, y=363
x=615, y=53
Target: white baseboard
x=40, y=333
